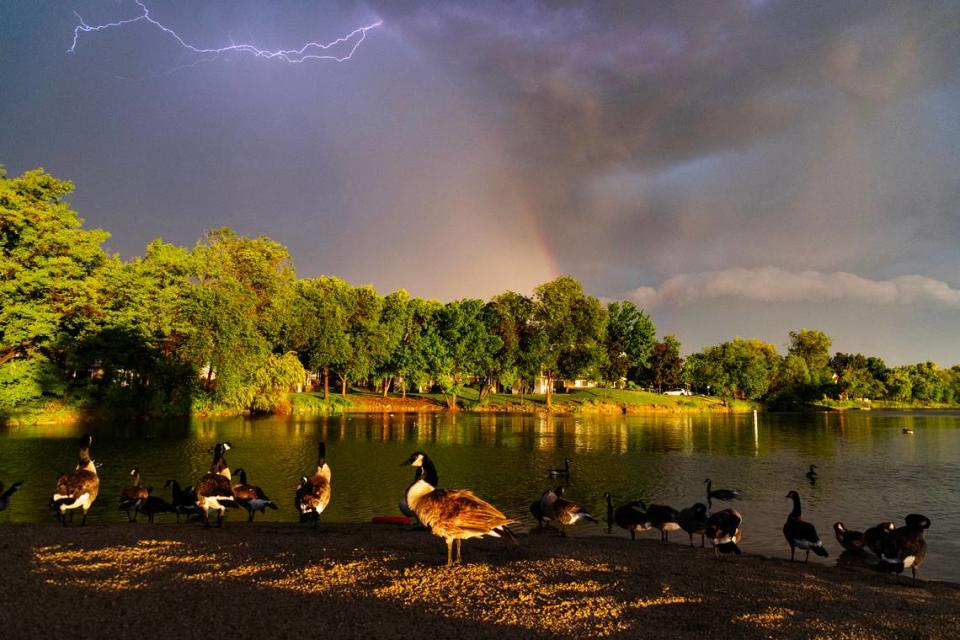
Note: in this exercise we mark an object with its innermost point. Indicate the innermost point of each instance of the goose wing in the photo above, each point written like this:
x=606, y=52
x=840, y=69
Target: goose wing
x=459, y=512
x=213, y=485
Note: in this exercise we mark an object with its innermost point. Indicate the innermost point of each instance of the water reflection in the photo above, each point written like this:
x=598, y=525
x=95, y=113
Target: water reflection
x=504, y=457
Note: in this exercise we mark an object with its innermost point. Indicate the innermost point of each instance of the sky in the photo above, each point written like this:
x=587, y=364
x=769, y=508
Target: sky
x=737, y=168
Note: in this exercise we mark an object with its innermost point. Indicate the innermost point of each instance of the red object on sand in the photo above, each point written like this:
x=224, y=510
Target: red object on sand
x=391, y=520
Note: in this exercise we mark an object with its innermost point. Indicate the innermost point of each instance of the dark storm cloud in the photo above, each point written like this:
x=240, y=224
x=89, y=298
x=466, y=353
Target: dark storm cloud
x=609, y=107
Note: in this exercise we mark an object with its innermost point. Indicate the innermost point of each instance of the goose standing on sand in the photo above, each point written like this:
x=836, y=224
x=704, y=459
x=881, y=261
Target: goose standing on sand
x=693, y=520
x=79, y=488
x=663, y=518
x=133, y=496
x=213, y=491
x=313, y=494
x=183, y=501
x=632, y=516
x=800, y=533
x=905, y=547
x=873, y=537
x=251, y=497
x=853, y=541
x=5, y=495
x=724, y=528
x=536, y=510
x=152, y=505
x=561, y=473
x=453, y=514
x=719, y=494
x=565, y=512
x=812, y=474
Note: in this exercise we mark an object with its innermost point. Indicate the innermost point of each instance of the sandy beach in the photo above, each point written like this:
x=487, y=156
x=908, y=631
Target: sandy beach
x=365, y=580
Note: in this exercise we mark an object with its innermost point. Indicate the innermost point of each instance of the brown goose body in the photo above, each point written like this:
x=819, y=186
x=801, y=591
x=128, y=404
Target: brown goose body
x=251, y=497
x=79, y=488
x=850, y=540
x=453, y=514
x=214, y=492
x=724, y=530
x=553, y=506
x=313, y=494
x=132, y=497
x=693, y=520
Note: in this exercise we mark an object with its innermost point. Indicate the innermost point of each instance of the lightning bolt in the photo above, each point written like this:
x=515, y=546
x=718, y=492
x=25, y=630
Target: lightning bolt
x=309, y=51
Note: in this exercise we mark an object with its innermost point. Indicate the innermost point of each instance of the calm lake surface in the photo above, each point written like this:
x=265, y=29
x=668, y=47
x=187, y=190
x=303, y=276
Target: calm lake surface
x=869, y=471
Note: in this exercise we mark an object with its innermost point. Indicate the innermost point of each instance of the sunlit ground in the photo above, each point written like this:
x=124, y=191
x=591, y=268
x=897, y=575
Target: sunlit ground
x=365, y=579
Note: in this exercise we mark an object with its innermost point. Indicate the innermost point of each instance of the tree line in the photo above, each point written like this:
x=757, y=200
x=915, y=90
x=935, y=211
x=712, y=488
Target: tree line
x=227, y=326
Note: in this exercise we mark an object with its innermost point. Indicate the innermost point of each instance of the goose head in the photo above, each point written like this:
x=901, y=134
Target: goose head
x=415, y=460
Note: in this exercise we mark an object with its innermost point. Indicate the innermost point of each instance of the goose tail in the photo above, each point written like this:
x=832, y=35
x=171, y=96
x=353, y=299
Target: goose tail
x=820, y=551
x=506, y=534
x=729, y=547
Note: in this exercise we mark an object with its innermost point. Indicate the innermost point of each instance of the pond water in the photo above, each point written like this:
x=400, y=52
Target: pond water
x=869, y=471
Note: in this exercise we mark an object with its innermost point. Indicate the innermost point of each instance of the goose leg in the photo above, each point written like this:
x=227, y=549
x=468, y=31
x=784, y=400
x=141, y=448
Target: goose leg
x=449, y=552
x=633, y=534
x=63, y=518
x=792, y=551
x=459, y=558
x=83, y=521
x=691, y=540
x=807, y=558
x=702, y=543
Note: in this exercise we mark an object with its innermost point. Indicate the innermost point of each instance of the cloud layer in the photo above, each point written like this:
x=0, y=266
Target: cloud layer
x=771, y=284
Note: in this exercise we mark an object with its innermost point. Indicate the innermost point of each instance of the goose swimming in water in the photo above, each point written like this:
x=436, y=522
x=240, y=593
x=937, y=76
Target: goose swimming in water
x=800, y=533
x=812, y=474
x=453, y=514
x=720, y=494
x=561, y=473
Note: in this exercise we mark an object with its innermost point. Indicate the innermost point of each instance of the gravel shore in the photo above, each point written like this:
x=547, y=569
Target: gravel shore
x=382, y=581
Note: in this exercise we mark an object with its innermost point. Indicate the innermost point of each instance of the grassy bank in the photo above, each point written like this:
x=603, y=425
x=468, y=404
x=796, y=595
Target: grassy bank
x=363, y=581
x=868, y=405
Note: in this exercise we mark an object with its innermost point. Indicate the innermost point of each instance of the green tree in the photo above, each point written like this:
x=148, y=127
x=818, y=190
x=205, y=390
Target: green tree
x=48, y=289
x=814, y=348
x=572, y=326
x=629, y=342
x=665, y=365
x=318, y=325
x=469, y=345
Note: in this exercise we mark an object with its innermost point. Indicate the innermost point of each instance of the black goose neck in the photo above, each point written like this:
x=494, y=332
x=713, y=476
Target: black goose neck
x=429, y=471
x=796, y=506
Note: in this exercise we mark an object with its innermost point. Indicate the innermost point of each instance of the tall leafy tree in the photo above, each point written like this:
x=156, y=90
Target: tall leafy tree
x=318, y=325
x=48, y=289
x=665, y=364
x=469, y=345
x=572, y=326
x=629, y=342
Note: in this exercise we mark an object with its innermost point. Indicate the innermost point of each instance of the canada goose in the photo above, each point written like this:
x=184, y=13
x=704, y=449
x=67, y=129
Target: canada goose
x=812, y=475
x=79, y=488
x=183, y=501
x=557, y=508
x=152, y=505
x=213, y=492
x=632, y=516
x=418, y=473
x=850, y=540
x=725, y=532
x=5, y=496
x=663, y=518
x=693, y=520
x=536, y=510
x=561, y=473
x=133, y=496
x=251, y=497
x=873, y=537
x=453, y=514
x=906, y=546
x=800, y=533
x=719, y=494
x=313, y=494
x=906, y=432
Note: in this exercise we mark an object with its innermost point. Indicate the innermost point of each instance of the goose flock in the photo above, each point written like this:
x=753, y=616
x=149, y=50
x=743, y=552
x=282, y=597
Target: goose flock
x=458, y=514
